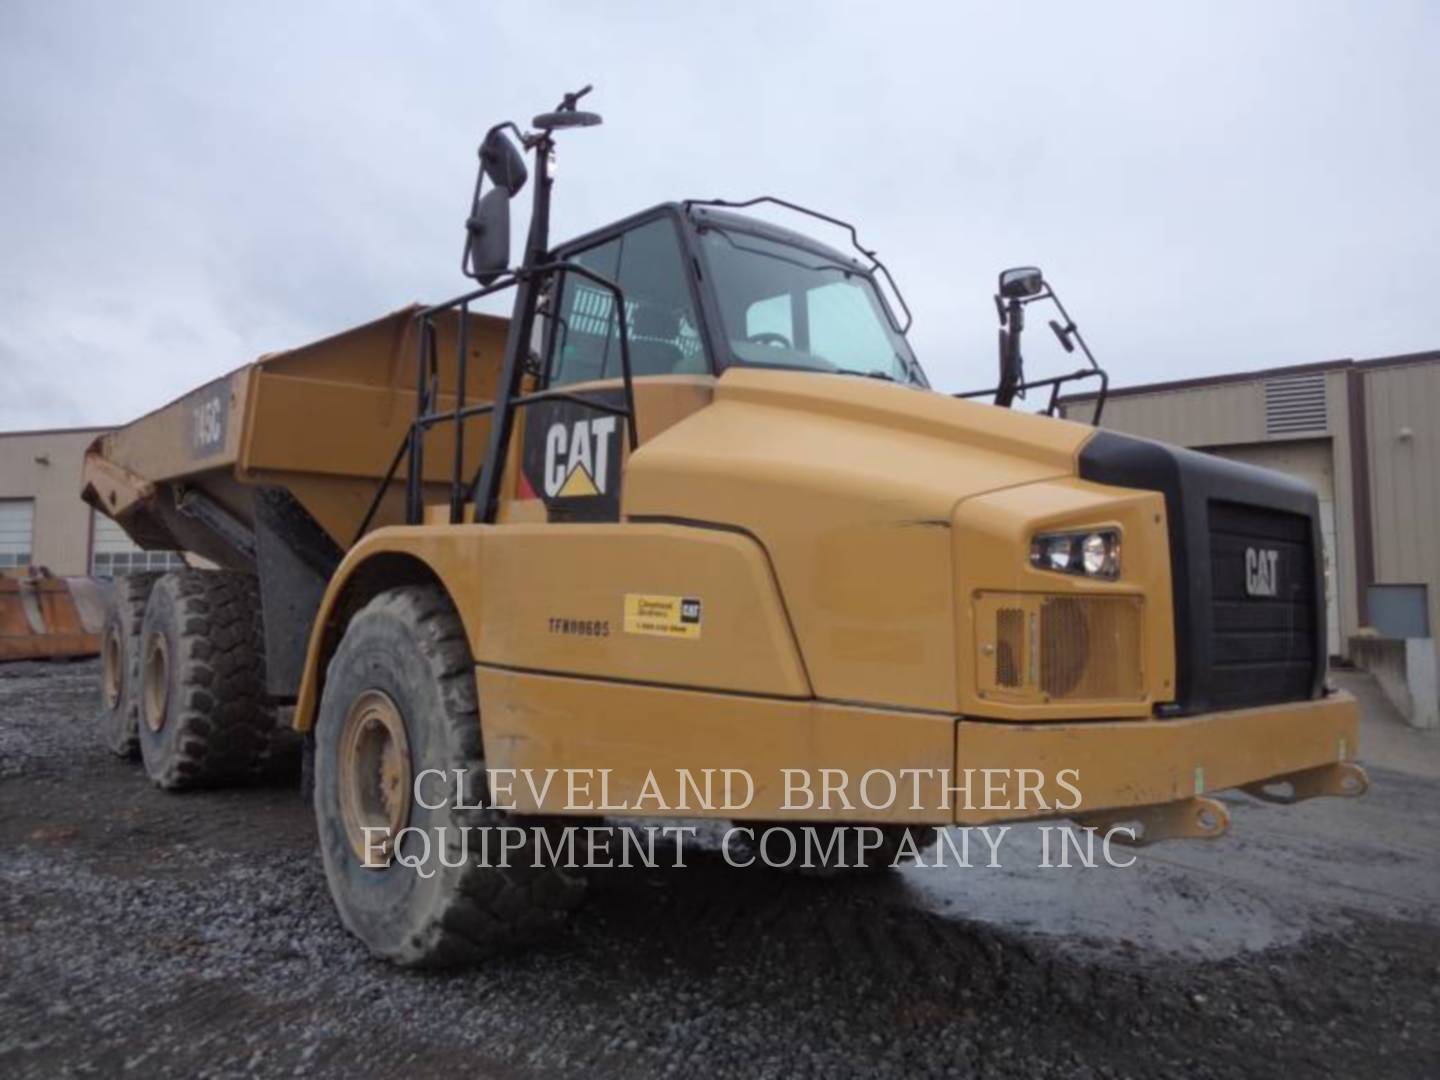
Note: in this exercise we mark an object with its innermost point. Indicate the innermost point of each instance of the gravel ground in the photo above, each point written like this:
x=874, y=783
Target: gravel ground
x=193, y=936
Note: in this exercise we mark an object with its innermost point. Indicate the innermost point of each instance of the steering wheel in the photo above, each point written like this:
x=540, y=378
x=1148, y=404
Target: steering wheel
x=769, y=338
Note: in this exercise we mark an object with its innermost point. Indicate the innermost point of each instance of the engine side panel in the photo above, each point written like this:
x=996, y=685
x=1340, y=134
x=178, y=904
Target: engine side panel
x=850, y=486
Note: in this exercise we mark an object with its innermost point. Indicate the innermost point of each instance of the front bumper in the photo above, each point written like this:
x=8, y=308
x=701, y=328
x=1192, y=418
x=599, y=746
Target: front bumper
x=1165, y=767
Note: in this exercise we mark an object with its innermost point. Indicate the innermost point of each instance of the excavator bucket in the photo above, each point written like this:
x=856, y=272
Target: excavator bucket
x=50, y=618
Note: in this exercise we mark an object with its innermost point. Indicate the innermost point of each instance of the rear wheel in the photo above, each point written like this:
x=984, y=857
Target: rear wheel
x=120, y=647
x=399, y=700
x=204, y=718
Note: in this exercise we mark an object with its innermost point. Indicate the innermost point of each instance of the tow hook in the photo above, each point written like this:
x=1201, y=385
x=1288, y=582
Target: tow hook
x=1343, y=778
x=1197, y=818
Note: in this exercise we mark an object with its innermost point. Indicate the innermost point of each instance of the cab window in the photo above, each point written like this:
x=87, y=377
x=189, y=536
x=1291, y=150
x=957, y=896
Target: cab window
x=784, y=305
x=649, y=266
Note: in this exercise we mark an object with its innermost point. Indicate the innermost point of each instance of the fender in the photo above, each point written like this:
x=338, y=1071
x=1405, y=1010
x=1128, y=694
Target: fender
x=565, y=601
x=383, y=559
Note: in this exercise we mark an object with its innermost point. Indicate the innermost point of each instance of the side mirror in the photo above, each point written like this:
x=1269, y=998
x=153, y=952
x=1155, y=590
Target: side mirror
x=487, y=245
x=487, y=229
x=1020, y=282
x=502, y=163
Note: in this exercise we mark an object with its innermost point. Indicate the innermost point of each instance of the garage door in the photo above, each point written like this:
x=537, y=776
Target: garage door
x=1311, y=461
x=113, y=554
x=17, y=531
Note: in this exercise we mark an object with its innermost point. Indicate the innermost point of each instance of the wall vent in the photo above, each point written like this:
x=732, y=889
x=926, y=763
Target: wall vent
x=1295, y=404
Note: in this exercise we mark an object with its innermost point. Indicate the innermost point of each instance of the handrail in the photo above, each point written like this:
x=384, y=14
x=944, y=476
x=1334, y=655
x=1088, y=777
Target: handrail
x=411, y=448
x=1064, y=333
x=1055, y=382
x=431, y=419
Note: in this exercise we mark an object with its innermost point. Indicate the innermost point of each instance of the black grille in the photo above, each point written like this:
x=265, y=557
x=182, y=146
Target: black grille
x=1263, y=647
x=1233, y=648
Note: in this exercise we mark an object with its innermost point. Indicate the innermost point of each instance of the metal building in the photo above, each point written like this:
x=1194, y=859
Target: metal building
x=44, y=522
x=1364, y=433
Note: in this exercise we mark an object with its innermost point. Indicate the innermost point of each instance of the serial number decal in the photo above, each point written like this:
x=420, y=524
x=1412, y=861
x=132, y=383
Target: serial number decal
x=580, y=627
x=209, y=415
x=664, y=616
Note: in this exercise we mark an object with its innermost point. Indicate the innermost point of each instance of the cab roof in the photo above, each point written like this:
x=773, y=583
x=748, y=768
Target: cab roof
x=703, y=215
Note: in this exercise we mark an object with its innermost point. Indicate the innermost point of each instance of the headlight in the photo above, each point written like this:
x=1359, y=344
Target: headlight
x=1093, y=554
x=1057, y=553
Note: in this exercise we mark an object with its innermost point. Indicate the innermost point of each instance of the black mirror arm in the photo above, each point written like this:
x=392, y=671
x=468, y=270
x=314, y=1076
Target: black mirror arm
x=1012, y=363
x=1012, y=320
x=1062, y=335
x=510, y=125
x=1072, y=331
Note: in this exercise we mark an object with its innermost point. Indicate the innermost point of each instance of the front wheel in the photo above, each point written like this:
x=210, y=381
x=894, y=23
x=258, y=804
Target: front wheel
x=414, y=879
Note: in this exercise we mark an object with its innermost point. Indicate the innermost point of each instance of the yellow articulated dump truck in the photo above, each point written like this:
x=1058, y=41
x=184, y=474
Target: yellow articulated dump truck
x=692, y=512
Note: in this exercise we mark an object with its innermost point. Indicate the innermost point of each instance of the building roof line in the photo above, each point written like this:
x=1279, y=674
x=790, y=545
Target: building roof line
x=1402, y=359
x=1205, y=381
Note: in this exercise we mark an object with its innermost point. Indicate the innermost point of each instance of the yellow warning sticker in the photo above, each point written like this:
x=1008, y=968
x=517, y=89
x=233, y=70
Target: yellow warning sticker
x=665, y=616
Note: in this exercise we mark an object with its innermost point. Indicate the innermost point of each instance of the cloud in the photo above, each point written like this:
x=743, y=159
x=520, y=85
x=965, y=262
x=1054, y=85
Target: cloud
x=1210, y=188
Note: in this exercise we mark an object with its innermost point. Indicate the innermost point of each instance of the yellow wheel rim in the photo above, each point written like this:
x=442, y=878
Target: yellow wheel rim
x=156, y=682
x=375, y=777
x=112, y=677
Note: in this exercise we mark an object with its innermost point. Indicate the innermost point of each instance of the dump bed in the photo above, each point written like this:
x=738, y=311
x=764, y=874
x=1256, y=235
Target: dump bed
x=318, y=426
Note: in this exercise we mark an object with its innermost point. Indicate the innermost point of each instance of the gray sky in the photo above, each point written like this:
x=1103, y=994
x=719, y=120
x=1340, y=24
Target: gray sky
x=1224, y=186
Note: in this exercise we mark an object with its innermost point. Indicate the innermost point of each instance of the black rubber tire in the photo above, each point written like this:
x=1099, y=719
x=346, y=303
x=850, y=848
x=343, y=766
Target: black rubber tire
x=409, y=643
x=124, y=613
x=282, y=758
x=307, y=767
x=218, y=727
x=892, y=852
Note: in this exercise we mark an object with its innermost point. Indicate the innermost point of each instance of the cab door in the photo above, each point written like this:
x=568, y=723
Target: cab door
x=572, y=458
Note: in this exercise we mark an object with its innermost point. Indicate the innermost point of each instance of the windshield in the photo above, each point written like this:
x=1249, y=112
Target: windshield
x=785, y=306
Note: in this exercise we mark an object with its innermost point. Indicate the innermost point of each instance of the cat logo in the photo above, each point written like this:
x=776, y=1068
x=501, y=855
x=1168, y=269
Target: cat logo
x=572, y=457
x=577, y=457
x=1262, y=572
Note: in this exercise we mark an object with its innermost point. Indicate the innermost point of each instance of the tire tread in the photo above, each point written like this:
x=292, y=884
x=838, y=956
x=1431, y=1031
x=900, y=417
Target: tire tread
x=227, y=731
x=485, y=910
x=119, y=730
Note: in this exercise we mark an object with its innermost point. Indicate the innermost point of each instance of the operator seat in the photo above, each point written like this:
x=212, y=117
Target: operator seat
x=652, y=343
